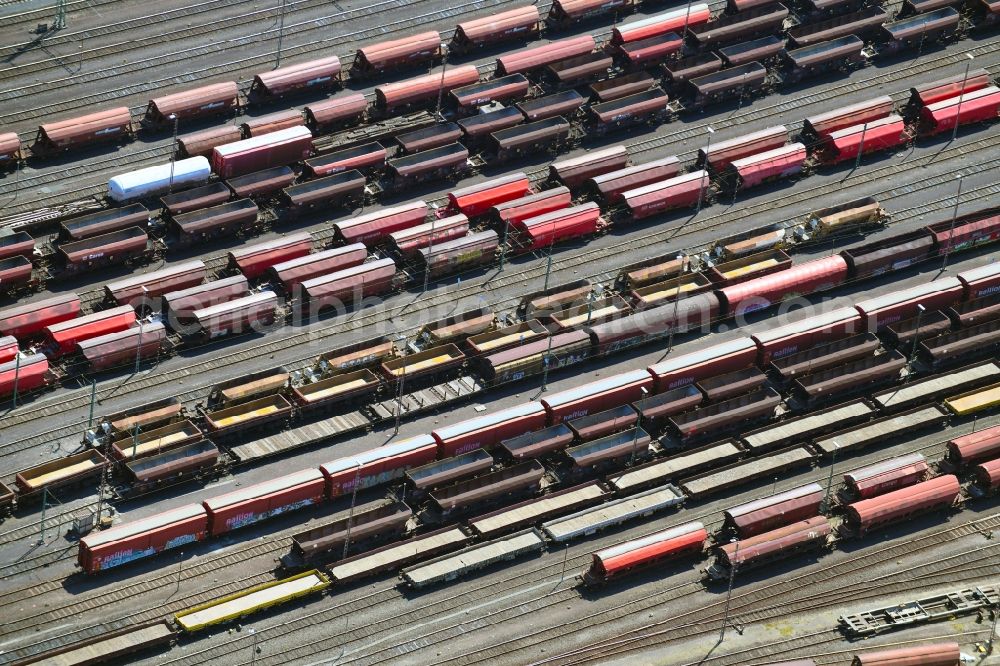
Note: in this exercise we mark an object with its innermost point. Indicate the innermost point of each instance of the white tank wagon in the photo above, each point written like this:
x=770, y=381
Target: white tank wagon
x=156, y=180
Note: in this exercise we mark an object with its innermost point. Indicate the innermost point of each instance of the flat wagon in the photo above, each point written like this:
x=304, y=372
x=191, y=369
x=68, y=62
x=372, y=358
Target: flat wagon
x=251, y=600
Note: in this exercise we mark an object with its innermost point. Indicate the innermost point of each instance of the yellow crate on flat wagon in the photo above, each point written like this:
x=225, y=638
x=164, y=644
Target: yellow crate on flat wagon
x=251, y=600
x=974, y=401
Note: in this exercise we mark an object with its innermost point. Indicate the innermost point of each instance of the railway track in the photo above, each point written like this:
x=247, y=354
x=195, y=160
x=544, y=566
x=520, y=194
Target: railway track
x=31, y=17
x=692, y=623
x=709, y=514
x=373, y=651
x=233, y=67
x=799, y=647
x=503, y=284
x=186, y=13
x=825, y=93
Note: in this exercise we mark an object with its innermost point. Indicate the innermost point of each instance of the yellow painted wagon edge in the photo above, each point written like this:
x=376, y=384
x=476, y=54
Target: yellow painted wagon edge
x=179, y=617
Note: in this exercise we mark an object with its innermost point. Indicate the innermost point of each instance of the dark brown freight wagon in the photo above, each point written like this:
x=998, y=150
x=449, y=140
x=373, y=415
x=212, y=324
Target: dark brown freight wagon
x=840, y=54
x=104, y=222
x=196, y=198
x=479, y=127
x=531, y=138
x=426, y=138
x=476, y=494
x=646, y=107
x=740, y=82
x=115, y=249
x=761, y=50
x=209, y=223
x=564, y=103
x=861, y=24
x=726, y=29
x=342, y=189
x=448, y=161
x=692, y=67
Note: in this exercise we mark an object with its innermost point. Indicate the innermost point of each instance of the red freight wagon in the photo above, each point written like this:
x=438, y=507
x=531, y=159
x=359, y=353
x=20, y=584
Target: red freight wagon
x=15, y=273
x=475, y=200
x=345, y=189
x=377, y=466
x=320, y=74
x=504, y=89
x=143, y=537
x=239, y=315
x=882, y=134
x=481, y=126
x=537, y=57
x=621, y=86
x=676, y=21
x=952, y=86
x=882, y=311
x=422, y=89
x=677, y=192
x=984, y=280
x=296, y=271
x=517, y=23
x=776, y=511
x=565, y=103
x=135, y=290
x=181, y=304
x=566, y=12
x=214, y=99
x=611, y=186
x=987, y=475
x=336, y=111
x=708, y=362
x=427, y=138
x=822, y=125
x=272, y=122
x=778, y=342
x=8, y=348
x=868, y=514
x=776, y=544
x=975, y=107
x=372, y=228
x=975, y=447
x=485, y=432
x=460, y=254
x=653, y=49
x=396, y=54
x=616, y=561
x=115, y=349
x=574, y=171
x=275, y=149
x=966, y=232
x=109, y=125
x=22, y=321
x=63, y=337
x=559, y=225
x=203, y=143
x=597, y=396
x=10, y=147
x=32, y=372
x=799, y=280
x=433, y=233
x=516, y=211
x=264, y=500
x=15, y=244
x=769, y=165
x=195, y=198
x=721, y=154
x=887, y=476
x=367, y=157
x=936, y=654
x=349, y=285
x=448, y=161
x=254, y=260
